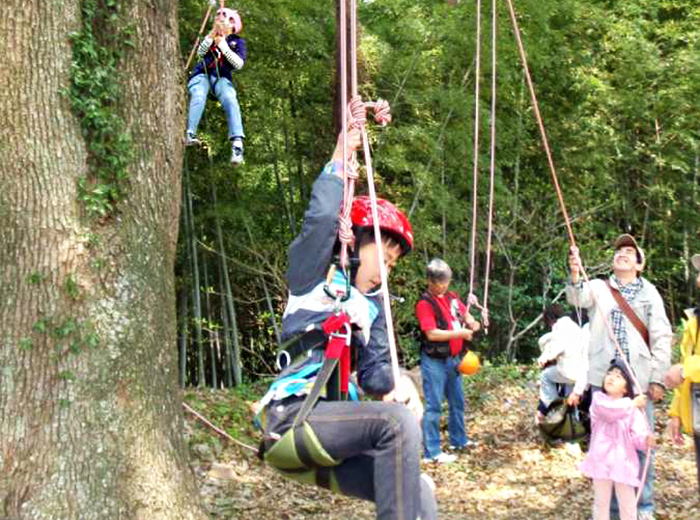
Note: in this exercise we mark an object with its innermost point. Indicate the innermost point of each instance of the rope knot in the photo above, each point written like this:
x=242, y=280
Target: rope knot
x=380, y=108
x=352, y=168
x=382, y=112
x=357, y=110
x=345, y=234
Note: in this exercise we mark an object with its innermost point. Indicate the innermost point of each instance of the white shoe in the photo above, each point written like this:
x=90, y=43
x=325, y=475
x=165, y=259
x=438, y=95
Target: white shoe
x=237, y=153
x=191, y=140
x=573, y=449
x=429, y=481
x=645, y=515
x=443, y=458
x=469, y=445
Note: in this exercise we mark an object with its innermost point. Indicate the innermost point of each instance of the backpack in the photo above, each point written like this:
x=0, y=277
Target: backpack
x=562, y=422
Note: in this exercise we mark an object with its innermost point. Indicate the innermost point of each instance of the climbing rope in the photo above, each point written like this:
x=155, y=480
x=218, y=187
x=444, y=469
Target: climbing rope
x=382, y=116
x=216, y=429
x=567, y=221
x=492, y=166
x=475, y=174
x=212, y=4
x=472, y=299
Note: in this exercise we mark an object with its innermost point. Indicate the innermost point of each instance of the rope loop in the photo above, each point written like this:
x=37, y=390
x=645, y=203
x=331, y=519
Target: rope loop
x=380, y=109
x=358, y=110
x=473, y=300
x=382, y=112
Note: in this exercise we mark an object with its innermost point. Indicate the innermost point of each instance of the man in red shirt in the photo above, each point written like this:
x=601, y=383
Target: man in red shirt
x=445, y=324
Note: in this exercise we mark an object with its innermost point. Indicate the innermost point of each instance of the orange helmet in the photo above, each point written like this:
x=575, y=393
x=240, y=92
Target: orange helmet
x=470, y=364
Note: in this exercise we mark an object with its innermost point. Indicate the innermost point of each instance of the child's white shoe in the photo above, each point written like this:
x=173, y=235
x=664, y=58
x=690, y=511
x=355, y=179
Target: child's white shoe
x=237, y=152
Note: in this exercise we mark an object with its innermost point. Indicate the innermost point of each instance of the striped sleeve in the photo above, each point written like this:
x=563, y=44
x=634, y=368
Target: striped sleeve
x=234, y=59
x=204, y=46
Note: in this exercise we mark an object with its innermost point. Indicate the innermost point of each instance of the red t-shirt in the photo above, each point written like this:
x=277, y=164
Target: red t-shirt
x=426, y=317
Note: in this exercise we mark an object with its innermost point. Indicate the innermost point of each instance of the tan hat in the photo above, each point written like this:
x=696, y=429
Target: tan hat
x=626, y=240
x=695, y=260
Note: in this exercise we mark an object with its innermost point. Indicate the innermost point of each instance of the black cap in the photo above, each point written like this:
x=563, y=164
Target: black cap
x=617, y=363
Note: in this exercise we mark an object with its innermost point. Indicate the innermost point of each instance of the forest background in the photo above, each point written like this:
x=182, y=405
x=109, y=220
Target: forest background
x=618, y=88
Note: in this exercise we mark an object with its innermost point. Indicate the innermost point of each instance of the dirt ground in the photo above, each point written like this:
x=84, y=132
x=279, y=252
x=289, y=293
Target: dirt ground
x=511, y=474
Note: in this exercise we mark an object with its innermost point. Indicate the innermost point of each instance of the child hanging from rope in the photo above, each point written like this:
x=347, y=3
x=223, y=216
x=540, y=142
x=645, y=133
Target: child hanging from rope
x=365, y=449
x=618, y=428
x=222, y=51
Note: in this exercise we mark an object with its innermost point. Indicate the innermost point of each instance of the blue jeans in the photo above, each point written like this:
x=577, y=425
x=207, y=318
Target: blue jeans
x=440, y=378
x=646, y=500
x=379, y=444
x=549, y=378
x=199, y=87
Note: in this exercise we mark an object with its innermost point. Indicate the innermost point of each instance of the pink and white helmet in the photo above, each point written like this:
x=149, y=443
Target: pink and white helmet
x=232, y=17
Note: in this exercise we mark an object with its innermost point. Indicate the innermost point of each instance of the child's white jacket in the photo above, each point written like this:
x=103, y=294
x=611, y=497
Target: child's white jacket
x=568, y=344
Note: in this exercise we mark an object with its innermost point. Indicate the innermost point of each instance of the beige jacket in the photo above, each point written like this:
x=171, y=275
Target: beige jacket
x=648, y=363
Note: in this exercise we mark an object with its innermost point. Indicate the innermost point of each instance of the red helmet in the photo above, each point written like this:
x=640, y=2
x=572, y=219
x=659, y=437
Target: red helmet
x=391, y=219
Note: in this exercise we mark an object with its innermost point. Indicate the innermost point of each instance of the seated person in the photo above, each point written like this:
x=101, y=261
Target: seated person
x=564, y=358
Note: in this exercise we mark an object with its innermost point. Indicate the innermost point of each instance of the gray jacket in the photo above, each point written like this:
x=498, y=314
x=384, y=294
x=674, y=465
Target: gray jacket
x=649, y=363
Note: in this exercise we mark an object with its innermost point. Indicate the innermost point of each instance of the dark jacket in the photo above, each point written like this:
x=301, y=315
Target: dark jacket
x=214, y=59
x=310, y=256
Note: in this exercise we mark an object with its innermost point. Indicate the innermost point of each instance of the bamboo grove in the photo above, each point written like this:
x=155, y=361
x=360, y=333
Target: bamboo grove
x=618, y=89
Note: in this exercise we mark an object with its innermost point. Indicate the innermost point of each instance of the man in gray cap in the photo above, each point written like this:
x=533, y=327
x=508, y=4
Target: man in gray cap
x=625, y=309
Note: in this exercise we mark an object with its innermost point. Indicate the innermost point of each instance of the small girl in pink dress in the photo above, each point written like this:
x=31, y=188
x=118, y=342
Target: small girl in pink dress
x=618, y=429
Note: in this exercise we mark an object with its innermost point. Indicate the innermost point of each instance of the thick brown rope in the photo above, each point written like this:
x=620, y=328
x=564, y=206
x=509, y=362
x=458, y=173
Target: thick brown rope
x=567, y=220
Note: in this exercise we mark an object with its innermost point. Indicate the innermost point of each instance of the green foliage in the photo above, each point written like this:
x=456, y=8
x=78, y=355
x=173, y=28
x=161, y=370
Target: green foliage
x=36, y=278
x=76, y=334
x=66, y=375
x=94, y=93
x=617, y=85
x=72, y=288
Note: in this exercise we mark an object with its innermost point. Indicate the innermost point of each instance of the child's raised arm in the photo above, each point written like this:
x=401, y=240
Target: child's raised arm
x=354, y=142
x=640, y=401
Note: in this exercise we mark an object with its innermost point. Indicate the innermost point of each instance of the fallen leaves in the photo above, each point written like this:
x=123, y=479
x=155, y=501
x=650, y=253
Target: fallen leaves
x=511, y=474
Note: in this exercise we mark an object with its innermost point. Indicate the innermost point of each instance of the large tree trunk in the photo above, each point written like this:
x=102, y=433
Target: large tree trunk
x=90, y=413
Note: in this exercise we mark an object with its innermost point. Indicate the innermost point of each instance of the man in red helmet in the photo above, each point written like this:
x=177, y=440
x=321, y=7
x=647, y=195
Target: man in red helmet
x=373, y=446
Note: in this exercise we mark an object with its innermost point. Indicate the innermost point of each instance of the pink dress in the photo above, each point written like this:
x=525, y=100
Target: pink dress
x=618, y=430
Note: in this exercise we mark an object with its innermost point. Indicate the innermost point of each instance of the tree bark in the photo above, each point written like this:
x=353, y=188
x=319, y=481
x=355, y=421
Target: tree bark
x=90, y=410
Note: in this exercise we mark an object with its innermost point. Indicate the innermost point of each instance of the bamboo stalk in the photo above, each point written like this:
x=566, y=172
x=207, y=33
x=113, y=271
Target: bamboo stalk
x=236, y=361
x=210, y=334
x=196, y=296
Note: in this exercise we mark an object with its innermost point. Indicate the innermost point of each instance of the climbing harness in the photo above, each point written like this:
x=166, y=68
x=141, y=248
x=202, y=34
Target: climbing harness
x=298, y=454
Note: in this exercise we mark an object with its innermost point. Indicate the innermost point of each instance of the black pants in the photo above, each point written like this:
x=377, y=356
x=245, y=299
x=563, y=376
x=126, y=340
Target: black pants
x=379, y=444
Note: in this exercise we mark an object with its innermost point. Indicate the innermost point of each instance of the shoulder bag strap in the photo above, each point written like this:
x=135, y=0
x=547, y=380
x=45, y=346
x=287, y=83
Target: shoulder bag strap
x=629, y=312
